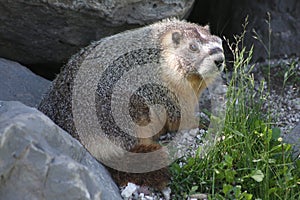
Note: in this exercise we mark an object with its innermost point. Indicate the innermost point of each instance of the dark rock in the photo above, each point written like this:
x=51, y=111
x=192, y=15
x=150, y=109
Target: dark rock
x=38, y=160
x=17, y=83
x=285, y=25
x=226, y=18
x=39, y=32
x=294, y=138
x=216, y=13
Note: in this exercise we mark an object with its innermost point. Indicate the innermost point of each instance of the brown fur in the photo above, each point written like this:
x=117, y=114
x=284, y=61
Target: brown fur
x=156, y=179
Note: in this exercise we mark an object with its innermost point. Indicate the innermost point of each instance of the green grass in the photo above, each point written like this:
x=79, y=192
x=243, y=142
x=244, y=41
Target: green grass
x=250, y=161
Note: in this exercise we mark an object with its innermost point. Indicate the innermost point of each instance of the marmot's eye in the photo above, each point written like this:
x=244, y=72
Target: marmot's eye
x=194, y=47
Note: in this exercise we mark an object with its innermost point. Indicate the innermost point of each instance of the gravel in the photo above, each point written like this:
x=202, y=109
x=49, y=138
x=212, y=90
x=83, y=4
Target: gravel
x=283, y=99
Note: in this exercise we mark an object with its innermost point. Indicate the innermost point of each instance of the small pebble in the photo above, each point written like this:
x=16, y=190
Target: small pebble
x=129, y=190
x=149, y=198
x=167, y=193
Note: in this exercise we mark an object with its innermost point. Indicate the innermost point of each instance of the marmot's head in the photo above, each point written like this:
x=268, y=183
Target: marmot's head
x=193, y=54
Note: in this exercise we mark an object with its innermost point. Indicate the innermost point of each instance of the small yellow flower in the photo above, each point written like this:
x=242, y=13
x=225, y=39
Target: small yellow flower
x=279, y=139
x=261, y=135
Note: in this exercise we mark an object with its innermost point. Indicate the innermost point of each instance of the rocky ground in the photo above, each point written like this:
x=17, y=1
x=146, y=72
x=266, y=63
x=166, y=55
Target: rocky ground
x=284, y=98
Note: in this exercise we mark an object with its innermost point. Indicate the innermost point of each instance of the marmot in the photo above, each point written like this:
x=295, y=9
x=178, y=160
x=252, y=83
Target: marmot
x=111, y=89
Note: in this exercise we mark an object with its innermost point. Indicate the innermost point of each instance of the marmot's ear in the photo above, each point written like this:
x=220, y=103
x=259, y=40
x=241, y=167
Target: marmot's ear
x=176, y=37
x=206, y=27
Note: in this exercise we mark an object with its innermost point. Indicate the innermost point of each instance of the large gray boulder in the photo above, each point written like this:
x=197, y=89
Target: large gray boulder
x=38, y=160
x=39, y=32
x=17, y=83
x=294, y=138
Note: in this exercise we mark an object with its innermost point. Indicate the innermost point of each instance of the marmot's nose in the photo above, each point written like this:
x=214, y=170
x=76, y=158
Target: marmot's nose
x=219, y=63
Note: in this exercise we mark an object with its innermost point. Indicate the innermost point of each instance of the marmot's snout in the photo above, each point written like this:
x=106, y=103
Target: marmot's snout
x=219, y=61
x=213, y=62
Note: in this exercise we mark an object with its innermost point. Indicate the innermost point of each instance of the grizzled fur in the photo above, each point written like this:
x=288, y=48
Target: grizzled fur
x=183, y=55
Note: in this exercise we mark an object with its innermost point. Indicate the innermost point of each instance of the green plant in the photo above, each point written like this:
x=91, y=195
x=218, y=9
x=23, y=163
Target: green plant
x=249, y=159
x=290, y=73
